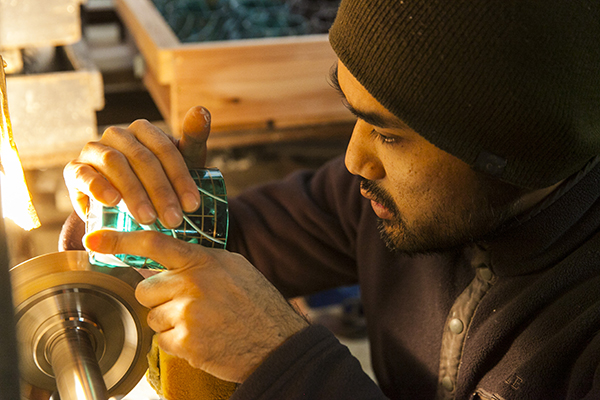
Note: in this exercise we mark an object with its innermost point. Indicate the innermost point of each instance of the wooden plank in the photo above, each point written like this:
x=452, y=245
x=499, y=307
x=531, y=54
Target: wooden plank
x=161, y=94
x=39, y=23
x=283, y=110
x=240, y=138
x=278, y=83
x=276, y=60
x=64, y=103
x=80, y=58
x=153, y=37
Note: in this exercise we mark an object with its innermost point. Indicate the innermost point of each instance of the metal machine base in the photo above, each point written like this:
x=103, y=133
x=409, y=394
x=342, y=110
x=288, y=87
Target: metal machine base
x=79, y=327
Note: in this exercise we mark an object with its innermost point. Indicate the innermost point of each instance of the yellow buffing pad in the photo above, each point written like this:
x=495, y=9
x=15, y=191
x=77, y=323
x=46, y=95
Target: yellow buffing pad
x=174, y=378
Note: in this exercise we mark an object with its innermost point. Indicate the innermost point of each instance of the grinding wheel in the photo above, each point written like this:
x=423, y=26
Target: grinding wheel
x=78, y=321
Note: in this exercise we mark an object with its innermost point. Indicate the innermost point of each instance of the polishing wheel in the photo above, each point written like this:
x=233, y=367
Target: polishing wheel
x=79, y=327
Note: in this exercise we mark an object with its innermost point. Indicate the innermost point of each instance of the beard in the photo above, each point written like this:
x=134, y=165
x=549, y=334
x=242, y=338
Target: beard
x=443, y=228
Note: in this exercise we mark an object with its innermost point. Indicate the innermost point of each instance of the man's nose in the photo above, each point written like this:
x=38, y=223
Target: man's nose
x=361, y=157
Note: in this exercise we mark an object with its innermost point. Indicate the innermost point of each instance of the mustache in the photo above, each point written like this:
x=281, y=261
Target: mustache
x=379, y=194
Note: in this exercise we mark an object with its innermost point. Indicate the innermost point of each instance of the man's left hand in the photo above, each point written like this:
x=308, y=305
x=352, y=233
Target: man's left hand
x=211, y=307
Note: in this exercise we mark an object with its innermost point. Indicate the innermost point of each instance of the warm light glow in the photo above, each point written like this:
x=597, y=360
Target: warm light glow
x=16, y=200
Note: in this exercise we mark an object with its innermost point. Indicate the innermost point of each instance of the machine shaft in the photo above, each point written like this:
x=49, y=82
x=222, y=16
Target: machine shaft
x=75, y=367
x=81, y=331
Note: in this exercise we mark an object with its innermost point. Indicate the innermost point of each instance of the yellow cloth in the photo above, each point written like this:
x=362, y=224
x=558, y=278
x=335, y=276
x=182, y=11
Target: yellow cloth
x=174, y=378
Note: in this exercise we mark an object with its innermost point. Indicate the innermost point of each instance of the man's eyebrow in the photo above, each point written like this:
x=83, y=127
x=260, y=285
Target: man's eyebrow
x=370, y=118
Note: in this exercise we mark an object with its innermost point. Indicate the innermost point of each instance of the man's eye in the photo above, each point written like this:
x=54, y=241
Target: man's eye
x=385, y=139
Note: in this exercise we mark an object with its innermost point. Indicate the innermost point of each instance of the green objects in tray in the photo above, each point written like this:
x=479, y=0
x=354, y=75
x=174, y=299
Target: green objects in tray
x=214, y=20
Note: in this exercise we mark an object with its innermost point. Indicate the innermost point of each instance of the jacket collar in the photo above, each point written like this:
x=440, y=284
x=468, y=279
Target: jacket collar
x=552, y=230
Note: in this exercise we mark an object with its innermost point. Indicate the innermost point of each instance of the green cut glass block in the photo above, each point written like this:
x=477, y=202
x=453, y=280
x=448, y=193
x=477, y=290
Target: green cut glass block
x=207, y=226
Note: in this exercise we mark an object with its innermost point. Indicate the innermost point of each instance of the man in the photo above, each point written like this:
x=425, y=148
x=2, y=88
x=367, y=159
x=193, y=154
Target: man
x=470, y=216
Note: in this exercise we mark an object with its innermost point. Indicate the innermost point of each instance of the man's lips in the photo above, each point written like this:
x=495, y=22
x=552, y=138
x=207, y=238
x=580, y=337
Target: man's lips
x=380, y=210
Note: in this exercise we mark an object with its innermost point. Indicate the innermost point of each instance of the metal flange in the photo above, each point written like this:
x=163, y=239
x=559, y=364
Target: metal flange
x=71, y=315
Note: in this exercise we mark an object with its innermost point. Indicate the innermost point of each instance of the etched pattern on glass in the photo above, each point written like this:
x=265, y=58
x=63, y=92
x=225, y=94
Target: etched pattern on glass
x=207, y=226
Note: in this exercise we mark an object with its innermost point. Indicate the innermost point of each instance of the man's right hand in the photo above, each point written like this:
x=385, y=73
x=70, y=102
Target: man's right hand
x=145, y=167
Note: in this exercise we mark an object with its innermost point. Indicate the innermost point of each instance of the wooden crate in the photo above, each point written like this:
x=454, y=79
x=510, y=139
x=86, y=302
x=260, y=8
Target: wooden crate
x=53, y=114
x=266, y=85
x=39, y=23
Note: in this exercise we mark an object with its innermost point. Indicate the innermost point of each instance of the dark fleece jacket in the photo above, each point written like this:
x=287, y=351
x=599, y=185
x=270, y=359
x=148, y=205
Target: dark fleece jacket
x=533, y=334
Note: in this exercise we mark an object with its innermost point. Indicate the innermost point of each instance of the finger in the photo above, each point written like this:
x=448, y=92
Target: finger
x=101, y=166
x=173, y=254
x=176, y=341
x=158, y=289
x=166, y=316
x=162, y=146
x=159, y=318
x=173, y=341
x=150, y=172
x=83, y=181
x=71, y=234
x=196, y=128
x=168, y=340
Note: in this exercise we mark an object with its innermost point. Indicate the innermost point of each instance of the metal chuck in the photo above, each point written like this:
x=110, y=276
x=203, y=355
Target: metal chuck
x=79, y=327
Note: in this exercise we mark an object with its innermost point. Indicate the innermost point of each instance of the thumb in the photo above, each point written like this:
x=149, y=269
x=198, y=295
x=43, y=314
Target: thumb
x=168, y=251
x=196, y=128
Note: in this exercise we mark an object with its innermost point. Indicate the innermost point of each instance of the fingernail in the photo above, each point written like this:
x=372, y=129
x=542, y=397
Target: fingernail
x=190, y=201
x=173, y=217
x=91, y=241
x=111, y=197
x=146, y=214
x=206, y=115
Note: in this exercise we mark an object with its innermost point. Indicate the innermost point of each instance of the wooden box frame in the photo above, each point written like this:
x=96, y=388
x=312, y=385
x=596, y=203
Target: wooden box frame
x=53, y=114
x=267, y=85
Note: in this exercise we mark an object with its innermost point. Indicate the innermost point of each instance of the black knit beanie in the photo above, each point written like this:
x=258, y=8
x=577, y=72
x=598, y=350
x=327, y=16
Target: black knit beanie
x=511, y=87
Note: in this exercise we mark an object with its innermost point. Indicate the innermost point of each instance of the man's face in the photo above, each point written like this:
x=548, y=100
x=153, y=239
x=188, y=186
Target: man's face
x=425, y=198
